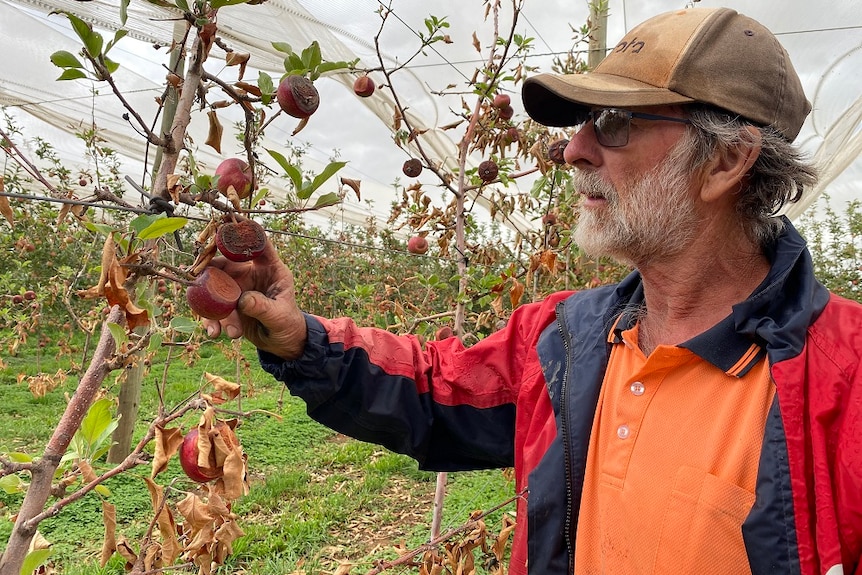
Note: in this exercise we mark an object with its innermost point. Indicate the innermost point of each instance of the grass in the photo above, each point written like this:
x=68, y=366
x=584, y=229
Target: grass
x=317, y=498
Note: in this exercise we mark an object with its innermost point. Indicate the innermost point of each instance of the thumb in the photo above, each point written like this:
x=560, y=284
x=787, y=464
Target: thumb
x=257, y=306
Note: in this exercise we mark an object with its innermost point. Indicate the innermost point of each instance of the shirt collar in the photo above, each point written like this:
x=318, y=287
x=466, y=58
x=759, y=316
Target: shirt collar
x=729, y=345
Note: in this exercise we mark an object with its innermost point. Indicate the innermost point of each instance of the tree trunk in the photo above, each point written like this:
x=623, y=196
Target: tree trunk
x=129, y=401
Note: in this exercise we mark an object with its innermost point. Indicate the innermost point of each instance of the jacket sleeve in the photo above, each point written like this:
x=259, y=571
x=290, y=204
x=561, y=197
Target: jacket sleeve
x=447, y=406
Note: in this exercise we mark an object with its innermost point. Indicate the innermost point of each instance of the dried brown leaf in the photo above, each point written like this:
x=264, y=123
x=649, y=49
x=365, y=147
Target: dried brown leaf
x=215, y=132
x=302, y=123
x=353, y=185
x=5, y=208
x=250, y=88
x=476, y=44
x=196, y=513
x=168, y=442
x=109, y=544
x=170, y=545
x=224, y=390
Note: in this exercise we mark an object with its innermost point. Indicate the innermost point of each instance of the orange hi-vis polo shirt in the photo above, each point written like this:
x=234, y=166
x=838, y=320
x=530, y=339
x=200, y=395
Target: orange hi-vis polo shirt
x=672, y=461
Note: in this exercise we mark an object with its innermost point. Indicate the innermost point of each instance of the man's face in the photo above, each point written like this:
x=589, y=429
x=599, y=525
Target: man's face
x=644, y=217
x=637, y=201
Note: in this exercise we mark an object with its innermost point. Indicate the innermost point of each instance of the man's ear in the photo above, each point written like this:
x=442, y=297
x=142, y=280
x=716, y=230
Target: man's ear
x=725, y=172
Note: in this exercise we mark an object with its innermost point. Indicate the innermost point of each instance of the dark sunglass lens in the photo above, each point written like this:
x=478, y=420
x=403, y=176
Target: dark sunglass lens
x=612, y=127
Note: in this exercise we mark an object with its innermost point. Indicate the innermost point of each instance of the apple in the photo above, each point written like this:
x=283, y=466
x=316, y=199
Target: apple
x=502, y=101
x=506, y=112
x=241, y=241
x=234, y=172
x=443, y=333
x=297, y=96
x=213, y=294
x=555, y=151
x=488, y=171
x=190, y=452
x=29, y=295
x=417, y=245
x=363, y=86
x=189, y=460
x=412, y=167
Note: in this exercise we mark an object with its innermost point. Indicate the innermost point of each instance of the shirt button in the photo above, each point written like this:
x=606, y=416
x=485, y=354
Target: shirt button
x=637, y=388
x=623, y=431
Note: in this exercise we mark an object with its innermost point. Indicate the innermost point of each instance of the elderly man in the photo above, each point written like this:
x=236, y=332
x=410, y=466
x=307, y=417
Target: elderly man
x=702, y=416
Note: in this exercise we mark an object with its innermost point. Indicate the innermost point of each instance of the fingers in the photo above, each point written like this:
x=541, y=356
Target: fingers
x=266, y=314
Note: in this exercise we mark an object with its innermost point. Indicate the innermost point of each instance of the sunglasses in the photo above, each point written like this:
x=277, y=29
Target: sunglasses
x=611, y=125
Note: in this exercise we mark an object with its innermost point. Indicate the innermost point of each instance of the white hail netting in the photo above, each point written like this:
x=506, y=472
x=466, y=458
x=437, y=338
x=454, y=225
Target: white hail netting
x=825, y=44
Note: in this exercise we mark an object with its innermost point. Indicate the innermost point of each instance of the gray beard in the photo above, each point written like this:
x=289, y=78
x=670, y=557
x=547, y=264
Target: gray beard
x=657, y=218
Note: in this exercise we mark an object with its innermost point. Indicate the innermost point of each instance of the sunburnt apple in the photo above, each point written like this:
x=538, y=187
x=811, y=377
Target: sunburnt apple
x=237, y=173
x=501, y=101
x=190, y=454
x=488, y=171
x=412, y=167
x=241, y=241
x=363, y=86
x=417, y=245
x=555, y=151
x=213, y=294
x=297, y=96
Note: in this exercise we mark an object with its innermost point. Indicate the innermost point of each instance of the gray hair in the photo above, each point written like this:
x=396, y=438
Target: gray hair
x=779, y=175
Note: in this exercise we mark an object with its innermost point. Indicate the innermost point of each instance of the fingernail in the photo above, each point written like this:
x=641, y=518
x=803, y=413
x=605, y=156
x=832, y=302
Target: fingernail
x=233, y=332
x=211, y=331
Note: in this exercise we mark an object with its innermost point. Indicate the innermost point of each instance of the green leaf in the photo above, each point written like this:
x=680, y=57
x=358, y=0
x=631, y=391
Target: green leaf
x=19, y=457
x=99, y=228
x=183, y=325
x=267, y=88
x=294, y=62
x=110, y=64
x=97, y=421
x=155, y=342
x=119, y=35
x=292, y=171
x=72, y=74
x=64, y=59
x=325, y=200
x=311, y=57
x=327, y=173
x=102, y=490
x=34, y=560
x=161, y=227
x=216, y=4
x=11, y=484
x=283, y=47
x=330, y=66
x=119, y=334
x=124, y=13
x=183, y=5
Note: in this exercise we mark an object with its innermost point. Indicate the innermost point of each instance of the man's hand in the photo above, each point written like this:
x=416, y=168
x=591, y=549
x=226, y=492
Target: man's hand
x=266, y=314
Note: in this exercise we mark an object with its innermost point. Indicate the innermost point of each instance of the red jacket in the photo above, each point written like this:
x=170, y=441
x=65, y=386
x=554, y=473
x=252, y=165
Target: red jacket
x=525, y=397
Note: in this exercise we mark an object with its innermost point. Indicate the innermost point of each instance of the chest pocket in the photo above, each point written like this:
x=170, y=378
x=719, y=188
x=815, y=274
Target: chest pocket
x=702, y=526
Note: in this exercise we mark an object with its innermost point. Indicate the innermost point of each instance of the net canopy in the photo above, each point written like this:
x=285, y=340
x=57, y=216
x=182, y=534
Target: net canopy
x=824, y=41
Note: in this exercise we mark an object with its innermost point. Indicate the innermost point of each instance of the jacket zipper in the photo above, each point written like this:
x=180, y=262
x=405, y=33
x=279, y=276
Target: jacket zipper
x=564, y=429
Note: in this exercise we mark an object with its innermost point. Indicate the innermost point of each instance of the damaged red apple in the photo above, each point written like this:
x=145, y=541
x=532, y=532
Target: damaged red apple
x=241, y=241
x=208, y=467
x=213, y=294
x=297, y=96
x=417, y=245
x=363, y=86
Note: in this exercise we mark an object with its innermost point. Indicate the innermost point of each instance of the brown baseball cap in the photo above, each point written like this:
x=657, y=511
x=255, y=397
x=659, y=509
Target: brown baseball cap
x=708, y=55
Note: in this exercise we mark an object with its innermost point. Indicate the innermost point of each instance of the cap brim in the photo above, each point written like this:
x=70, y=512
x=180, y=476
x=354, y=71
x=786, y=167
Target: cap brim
x=563, y=100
